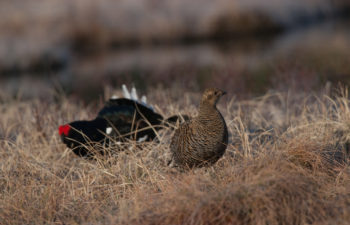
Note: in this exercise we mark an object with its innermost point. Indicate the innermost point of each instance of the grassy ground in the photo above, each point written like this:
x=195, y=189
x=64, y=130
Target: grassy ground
x=286, y=163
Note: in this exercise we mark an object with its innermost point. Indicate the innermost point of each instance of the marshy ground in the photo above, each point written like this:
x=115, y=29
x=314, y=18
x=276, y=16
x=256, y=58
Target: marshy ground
x=287, y=162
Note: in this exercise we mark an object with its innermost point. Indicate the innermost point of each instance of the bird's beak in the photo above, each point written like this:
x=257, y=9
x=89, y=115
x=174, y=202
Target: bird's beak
x=223, y=93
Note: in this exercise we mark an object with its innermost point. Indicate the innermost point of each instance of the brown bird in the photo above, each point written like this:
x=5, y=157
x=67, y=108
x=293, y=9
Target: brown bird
x=202, y=140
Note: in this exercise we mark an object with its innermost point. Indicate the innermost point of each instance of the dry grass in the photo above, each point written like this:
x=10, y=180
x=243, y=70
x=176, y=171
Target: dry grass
x=286, y=164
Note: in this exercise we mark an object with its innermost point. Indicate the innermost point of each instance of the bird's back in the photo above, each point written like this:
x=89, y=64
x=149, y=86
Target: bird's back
x=127, y=116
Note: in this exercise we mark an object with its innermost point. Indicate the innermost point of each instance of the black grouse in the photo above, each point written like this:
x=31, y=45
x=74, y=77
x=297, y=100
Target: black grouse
x=120, y=119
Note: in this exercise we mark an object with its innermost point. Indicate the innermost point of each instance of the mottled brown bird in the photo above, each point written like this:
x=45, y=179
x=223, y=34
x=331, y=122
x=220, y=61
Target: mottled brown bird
x=202, y=140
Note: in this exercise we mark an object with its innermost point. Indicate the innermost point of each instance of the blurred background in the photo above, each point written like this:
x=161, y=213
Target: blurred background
x=247, y=47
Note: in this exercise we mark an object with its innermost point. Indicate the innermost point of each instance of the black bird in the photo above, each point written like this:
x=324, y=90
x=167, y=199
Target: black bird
x=120, y=119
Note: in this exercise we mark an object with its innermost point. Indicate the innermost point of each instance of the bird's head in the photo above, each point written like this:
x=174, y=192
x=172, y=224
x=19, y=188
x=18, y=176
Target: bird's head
x=211, y=96
x=76, y=136
x=80, y=132
x=75, y=133
x=67, y=132
x=64, y=130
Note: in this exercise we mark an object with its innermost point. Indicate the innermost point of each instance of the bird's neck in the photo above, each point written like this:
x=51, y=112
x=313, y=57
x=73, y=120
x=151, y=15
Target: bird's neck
x=207, y=112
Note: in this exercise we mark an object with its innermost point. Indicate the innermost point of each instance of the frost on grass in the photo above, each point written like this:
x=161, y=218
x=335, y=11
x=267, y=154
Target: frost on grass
x=286, y=163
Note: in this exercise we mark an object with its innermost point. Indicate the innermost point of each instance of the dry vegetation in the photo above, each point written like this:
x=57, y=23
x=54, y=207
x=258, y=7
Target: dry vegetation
x=286, y=163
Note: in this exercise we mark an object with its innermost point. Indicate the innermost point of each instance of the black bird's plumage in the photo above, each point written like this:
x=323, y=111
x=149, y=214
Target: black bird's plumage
x=128, y=116
x=126, y=119
x=83, y=133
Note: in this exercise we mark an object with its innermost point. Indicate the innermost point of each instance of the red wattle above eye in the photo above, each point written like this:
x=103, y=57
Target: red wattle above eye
x=64, y=130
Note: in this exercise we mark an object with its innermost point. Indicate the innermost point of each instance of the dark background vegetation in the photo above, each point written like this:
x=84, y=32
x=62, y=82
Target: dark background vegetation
x=246, y=47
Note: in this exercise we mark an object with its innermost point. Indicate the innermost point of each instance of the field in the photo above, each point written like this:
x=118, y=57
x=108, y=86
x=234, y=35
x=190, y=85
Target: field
x=286, y=163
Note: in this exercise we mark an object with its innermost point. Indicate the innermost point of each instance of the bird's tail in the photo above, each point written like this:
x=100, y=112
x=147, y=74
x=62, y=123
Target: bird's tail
x=132, y=95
